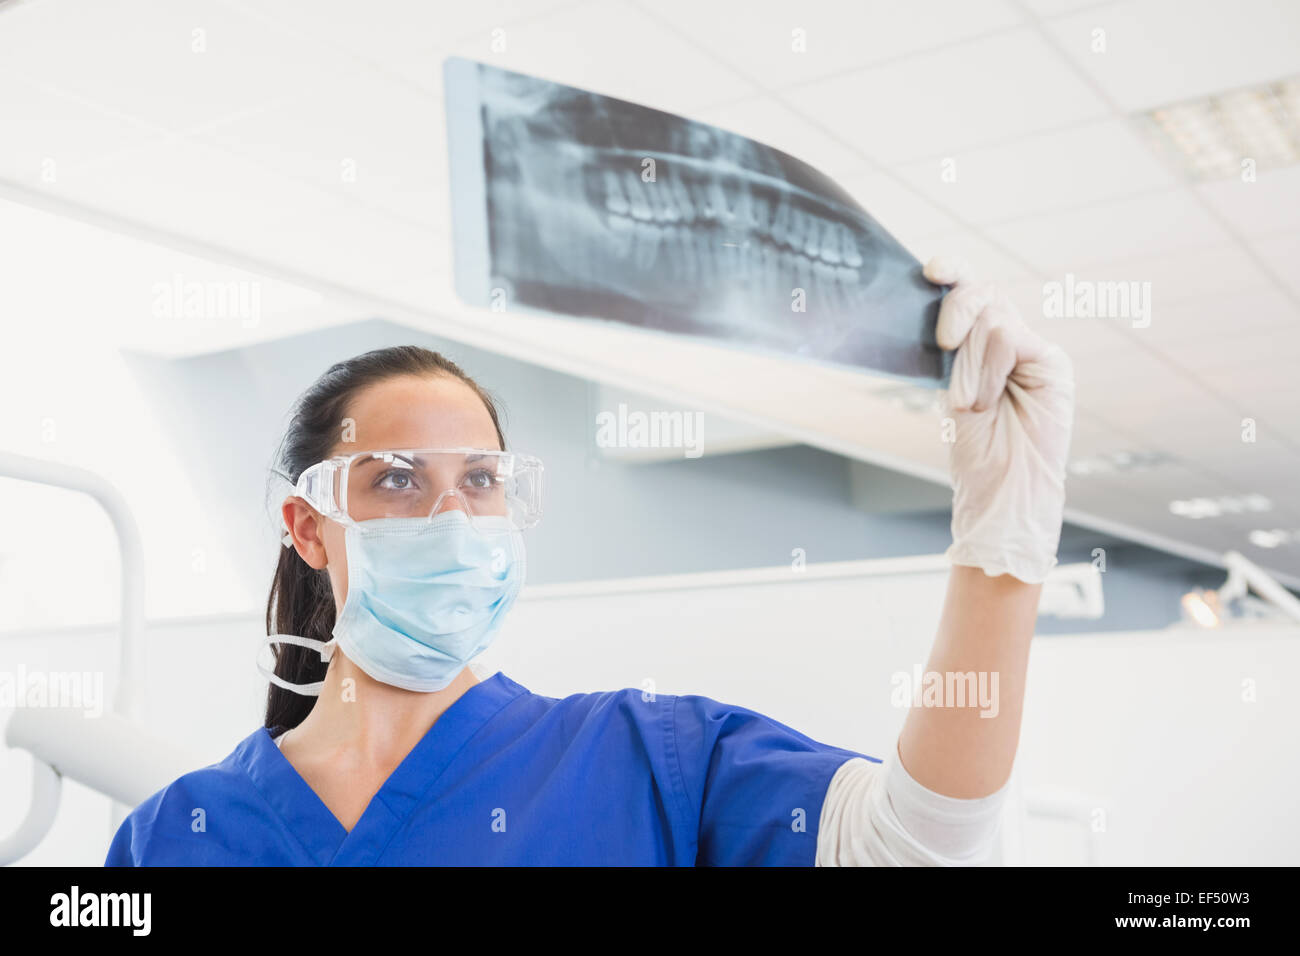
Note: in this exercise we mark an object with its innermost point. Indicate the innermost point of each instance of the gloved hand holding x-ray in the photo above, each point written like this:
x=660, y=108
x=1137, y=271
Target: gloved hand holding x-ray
x=573, y=203
x=1011, y=399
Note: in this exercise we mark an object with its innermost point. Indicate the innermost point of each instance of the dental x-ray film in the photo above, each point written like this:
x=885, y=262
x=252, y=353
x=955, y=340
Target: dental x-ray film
x=573, y=203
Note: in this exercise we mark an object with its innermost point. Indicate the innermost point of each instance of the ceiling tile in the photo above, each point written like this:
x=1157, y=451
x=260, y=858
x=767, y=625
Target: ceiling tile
x=48, y=136
x=1265, y=207
x=1273, y=450
x=383, y=29
x=1090, y=437
x=1272, y=369
x=1080, y=337
x=1224, y=330
x=358, y=136
x=1161, y=51
x=1221, y=463
x=1269, y=477
x=757, y=37
x=1058, y=170
x=1190, y=274
x=1134, y=389
x=1141, y=499
x=1282, y=254
x=1055, y=8
x=193, y=190
x=611, y=47
x=1071, y=240
x=1194, y=424
x=1260, y=398
x=176, y=64
x=421, y=71
x=969, y=96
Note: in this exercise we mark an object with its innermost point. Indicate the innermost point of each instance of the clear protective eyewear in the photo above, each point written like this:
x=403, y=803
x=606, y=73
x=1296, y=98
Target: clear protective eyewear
x=424, y=482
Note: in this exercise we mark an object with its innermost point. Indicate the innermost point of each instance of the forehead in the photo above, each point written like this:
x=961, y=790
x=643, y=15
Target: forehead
x=416, y=412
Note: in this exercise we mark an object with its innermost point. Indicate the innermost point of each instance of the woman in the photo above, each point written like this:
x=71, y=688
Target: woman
x=403, y=552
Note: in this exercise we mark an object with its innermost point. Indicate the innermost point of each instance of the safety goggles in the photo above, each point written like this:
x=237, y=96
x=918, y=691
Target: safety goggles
x=424, y=482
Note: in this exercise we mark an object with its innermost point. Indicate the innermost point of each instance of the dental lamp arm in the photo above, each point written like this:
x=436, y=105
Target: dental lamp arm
x=129, y=699
x=1244, y=575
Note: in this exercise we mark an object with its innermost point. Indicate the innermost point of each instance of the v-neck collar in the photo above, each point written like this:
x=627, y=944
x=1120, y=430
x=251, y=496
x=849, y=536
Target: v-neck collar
x=319, y=832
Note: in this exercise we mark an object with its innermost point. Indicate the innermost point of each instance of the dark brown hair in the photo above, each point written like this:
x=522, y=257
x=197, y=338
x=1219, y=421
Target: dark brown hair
x=301, y=601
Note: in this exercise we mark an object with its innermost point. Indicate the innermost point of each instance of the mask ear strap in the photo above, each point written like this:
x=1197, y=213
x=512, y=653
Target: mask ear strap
x=326, y=649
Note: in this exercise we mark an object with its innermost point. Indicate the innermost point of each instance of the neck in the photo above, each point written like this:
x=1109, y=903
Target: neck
x=355, y=712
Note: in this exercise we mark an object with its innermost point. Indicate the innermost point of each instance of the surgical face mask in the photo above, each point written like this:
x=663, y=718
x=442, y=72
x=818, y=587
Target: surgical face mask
x=425, y=596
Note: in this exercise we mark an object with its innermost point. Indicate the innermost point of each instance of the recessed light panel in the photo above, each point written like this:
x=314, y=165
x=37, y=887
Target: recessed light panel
x=1222, y=136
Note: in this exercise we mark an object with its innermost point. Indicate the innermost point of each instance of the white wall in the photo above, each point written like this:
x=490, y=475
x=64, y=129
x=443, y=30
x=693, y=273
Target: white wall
x=1160, y=728
x=1151, y=726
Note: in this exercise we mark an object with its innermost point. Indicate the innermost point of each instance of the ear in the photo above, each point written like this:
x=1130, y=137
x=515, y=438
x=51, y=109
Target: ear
x=305, y=526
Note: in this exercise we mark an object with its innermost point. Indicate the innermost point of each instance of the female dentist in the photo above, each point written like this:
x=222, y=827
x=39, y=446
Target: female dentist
x=402, y=553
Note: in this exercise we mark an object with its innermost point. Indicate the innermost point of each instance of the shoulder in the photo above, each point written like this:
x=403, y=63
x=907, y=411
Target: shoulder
x=693, y=730
x=176, y=809
x=628, y=707
x=596, y=702
x=621, y=725
x=695, y=719
x=709, y=723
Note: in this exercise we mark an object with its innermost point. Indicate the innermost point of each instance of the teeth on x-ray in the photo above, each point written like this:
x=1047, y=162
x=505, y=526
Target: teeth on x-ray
x=728, y=239
x=715, y=235
x=666, y=202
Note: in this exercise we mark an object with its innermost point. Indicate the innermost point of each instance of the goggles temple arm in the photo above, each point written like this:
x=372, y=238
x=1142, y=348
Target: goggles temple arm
x=316, y=487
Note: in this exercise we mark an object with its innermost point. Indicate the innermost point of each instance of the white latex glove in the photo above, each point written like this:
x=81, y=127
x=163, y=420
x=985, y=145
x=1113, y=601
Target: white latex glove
x=1012, y=399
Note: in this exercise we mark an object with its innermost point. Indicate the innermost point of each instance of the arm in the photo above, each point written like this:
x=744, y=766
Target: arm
x=1011, y=402
x=937, y=799
x=986, y=627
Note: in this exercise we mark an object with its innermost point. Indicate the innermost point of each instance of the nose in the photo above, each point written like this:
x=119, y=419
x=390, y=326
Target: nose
x=450, y=500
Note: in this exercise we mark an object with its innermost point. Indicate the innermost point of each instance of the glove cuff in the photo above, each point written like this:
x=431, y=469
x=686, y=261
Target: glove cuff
x=1029, y=568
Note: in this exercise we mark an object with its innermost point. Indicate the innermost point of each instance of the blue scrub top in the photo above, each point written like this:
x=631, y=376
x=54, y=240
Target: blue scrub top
x=509, y=777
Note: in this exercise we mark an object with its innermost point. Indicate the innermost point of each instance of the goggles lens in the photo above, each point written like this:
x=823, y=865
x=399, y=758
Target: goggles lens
x=423, y=483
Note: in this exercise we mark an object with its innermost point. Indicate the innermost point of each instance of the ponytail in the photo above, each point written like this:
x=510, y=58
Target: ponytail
x=301, y=602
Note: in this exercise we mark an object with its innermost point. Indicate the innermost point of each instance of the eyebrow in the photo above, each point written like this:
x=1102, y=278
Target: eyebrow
x=415, y=461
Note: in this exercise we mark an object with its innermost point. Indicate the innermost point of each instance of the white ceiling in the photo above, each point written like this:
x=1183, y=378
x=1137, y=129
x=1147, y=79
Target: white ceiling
x=109, y=113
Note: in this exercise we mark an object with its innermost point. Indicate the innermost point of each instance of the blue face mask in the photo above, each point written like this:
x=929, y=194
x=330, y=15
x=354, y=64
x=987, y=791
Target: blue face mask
x=424, y=597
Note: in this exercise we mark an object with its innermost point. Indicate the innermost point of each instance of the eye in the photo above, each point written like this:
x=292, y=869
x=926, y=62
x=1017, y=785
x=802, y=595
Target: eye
x=395, y=480
x=480, y=479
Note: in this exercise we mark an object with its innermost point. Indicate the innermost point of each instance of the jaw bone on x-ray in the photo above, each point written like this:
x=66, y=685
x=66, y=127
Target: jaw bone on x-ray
x=569, y=202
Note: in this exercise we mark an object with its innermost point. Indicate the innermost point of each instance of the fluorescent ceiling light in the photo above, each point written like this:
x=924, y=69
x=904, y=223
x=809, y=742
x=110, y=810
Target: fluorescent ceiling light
x=1272, y=538
x=1210, y=138
x=1198, y=508
x=1120, y=461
